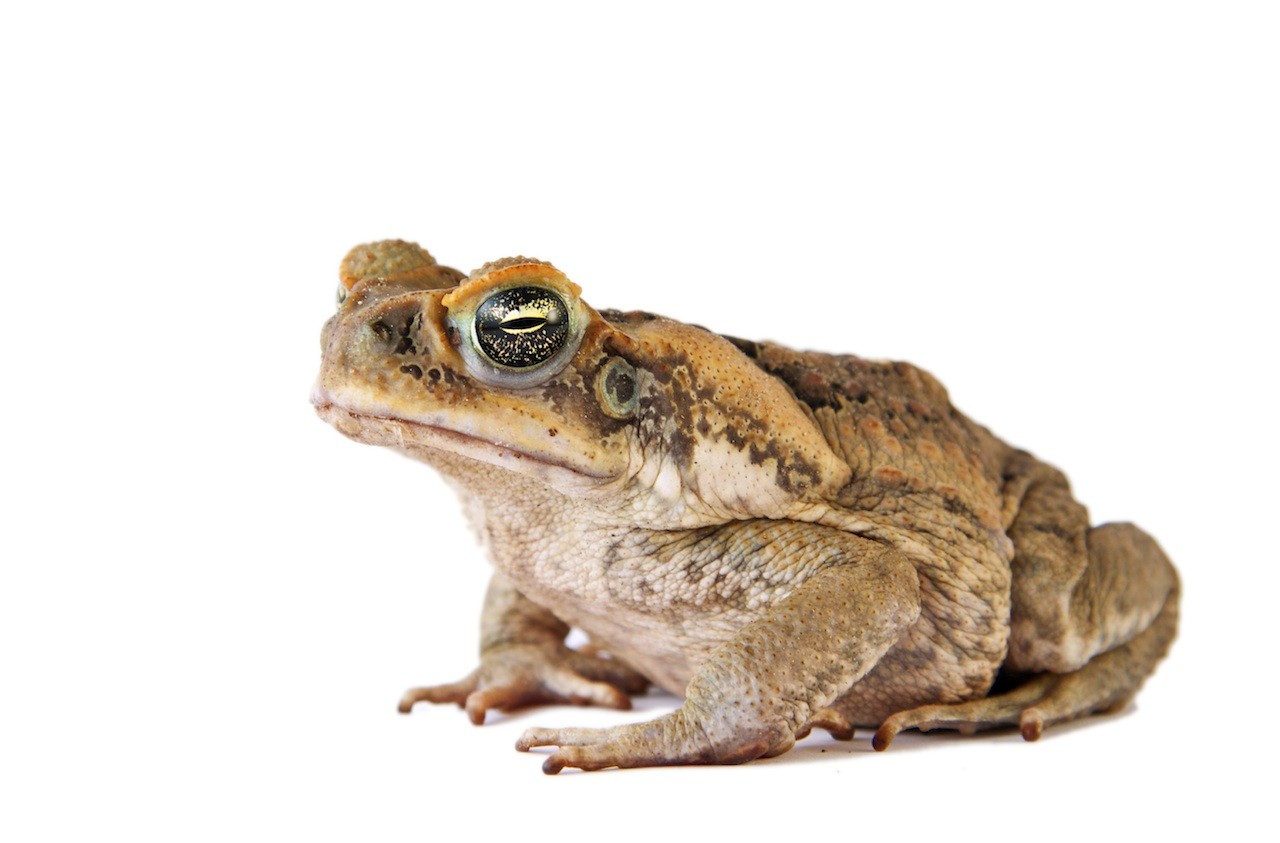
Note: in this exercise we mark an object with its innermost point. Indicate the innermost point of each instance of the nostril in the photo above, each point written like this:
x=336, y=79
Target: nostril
x=382, y=330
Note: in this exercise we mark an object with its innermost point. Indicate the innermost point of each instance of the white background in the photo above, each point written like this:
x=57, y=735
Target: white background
x=211, y=601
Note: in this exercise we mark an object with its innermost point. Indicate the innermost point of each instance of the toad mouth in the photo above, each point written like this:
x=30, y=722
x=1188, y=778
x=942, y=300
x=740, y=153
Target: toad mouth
x=438, y=438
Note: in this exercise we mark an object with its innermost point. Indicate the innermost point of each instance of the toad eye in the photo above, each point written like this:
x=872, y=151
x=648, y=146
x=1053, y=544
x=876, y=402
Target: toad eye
x=521, y=327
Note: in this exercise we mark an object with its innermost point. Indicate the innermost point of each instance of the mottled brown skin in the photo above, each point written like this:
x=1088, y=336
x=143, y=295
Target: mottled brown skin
x=791, y=540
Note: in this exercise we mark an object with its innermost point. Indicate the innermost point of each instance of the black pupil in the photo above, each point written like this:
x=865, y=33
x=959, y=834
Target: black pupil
x=522, y=327
x=621, y=384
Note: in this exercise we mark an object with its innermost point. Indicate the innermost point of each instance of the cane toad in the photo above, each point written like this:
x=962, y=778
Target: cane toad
x=788, y=539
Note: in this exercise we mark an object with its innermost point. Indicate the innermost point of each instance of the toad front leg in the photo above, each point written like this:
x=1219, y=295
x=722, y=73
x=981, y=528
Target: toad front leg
x=524, y=662
x=767, y=685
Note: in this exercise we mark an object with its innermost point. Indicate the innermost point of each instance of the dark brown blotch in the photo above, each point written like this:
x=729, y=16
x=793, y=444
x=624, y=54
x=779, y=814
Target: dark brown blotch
x=733, y=437
x=629, y=317
x=747, y=347
x=809, y=385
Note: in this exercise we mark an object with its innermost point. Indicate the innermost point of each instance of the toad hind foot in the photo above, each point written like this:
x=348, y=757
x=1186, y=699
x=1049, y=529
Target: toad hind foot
x=1105, y=683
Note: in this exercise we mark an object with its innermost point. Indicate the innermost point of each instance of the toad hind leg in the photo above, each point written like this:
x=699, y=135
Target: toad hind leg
x=1094, y=611
x=1105, y=683
x=762, y=688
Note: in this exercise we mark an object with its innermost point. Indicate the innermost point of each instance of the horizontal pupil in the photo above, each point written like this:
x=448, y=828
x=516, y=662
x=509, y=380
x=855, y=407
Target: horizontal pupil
x=524, y=323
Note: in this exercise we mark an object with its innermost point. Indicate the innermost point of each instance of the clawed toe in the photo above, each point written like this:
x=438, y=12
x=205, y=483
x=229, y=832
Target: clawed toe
x=836, y=724
x=453, y=692
x=579, y=757
x=585, y=749
x=676, y=738
x=516, y=675
x=1010, y=709
x=559, y=737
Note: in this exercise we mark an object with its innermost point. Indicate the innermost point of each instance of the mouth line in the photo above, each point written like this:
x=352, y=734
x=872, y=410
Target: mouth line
x=465, y=441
